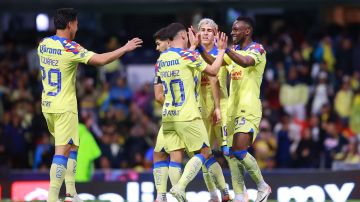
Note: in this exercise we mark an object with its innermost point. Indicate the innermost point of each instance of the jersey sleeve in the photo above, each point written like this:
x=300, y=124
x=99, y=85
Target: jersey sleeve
x=193, y=60
x=157, y=78
x=229, y=68
x=79, y=53
x=257, y=52
x=227, y=59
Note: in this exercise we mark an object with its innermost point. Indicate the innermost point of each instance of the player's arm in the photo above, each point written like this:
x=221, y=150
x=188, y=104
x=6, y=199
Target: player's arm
x=213, y=69
x=105, y=58
x=244, y=61
x=194, y=40
x=158, y=90
x=215, y=87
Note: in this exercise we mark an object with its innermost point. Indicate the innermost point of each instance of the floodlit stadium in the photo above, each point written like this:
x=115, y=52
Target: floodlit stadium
x=180, y=100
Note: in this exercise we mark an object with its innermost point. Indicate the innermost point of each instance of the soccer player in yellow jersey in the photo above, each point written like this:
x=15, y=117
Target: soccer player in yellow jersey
x=162, y=168
x=59, y=57
x=207, y=30
x=246, y=65
x=181, y=121
x=213, y=99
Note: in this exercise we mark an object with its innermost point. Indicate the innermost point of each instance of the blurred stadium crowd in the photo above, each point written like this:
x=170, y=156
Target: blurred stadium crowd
x=310, y=94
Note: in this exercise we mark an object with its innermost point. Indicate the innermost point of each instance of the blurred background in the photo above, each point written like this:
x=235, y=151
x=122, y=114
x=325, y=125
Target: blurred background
x=310, y=94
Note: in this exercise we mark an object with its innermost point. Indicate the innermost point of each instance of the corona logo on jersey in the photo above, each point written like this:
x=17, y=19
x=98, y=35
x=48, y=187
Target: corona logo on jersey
x=162, y=63
x=236, y=75
x=54, y=51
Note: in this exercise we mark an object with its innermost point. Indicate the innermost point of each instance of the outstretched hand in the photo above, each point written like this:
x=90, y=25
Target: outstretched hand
x=133, y=44
x=194, y=38
x=222, y=40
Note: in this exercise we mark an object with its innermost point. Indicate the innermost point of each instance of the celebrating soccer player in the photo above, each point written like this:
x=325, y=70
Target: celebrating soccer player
x=59, y=57
x=247, y=63
x=181, y=123
x=162, y=168
x=212, y=97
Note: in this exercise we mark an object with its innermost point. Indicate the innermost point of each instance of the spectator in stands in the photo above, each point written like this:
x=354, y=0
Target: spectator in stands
x=110, y=71
x=294, y=95
x=344, y=57
x=43, y=153
x=16, y=143
x=355, y=113
x=343, y=100
x=305, y=151
x=120, y=95
x=288, y=136
x=265, y=146
x=321, y=94
x=334, y=143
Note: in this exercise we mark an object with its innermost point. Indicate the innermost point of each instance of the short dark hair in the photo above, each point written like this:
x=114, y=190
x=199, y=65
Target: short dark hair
x=247, y=20
x=161, y=35
x=63, y=16
x=173, y=29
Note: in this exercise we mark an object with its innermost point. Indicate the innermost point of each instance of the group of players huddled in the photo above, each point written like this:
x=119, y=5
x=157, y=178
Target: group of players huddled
x=198, y=113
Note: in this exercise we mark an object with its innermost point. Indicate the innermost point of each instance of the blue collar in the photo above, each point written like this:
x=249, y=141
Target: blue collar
x=246, y=47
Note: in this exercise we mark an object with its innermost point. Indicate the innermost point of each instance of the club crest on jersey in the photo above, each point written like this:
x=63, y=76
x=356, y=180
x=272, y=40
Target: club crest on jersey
x=257, y=47
x=205, y=81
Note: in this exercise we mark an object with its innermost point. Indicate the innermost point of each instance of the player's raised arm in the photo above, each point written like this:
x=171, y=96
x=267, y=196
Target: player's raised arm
x=244, y=61
x=105, y=58
x=213, y=69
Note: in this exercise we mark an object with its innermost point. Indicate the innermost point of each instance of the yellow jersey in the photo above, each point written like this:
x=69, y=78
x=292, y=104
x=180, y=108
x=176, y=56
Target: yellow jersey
x=177, y=68
x=207, y=98
x=59, y=58
x=245, y=82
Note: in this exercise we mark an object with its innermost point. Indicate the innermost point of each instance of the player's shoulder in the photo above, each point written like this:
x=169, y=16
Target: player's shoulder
x=256, y=47
x=184, y=54
x=189, y=55
x=68, y=45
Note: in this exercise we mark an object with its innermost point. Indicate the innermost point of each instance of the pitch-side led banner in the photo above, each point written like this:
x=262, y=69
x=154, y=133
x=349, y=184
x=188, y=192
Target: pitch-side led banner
x=305, y=186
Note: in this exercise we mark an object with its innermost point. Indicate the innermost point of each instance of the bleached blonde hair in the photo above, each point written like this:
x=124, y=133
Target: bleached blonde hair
x=209, y=21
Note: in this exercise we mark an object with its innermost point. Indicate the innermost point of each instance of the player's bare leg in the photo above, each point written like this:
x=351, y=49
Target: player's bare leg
x=161, y=173
x=58, y=170
x=241, y=142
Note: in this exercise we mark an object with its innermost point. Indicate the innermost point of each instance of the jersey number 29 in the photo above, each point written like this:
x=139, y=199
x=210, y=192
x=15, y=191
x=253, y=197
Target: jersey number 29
x=54, y=80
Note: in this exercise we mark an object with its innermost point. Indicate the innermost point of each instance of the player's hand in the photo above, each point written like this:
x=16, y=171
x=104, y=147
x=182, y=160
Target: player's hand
x=133, y=44
x=225, y=150
x=216, y=116
x=222, y=40
x=193, y=38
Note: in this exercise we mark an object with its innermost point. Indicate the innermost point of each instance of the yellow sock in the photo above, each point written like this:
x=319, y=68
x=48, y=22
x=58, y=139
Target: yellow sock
x=217, y=175
x=71, y=173
x=57, y=175
x=250, y=164
x=237, y=175
x=191, y=169
x=161, y=173
x=175, y=172
x=208, y=180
